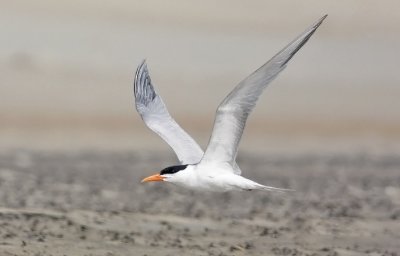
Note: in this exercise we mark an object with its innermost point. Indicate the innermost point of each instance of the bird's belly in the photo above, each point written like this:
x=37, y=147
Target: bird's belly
x=217, y=183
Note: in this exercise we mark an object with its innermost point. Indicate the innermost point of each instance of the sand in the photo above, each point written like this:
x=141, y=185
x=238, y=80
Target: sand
x=92, y=203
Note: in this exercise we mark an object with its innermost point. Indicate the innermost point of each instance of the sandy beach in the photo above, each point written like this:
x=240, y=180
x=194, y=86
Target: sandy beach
x=92, y=203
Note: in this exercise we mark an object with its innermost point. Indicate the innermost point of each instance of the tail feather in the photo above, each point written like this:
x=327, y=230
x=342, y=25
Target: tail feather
x=274, y=189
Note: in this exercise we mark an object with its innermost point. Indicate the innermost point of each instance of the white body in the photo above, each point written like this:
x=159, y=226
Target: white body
x=212, y=177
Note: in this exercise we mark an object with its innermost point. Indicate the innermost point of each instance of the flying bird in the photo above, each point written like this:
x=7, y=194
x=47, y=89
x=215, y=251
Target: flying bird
x=216, y=168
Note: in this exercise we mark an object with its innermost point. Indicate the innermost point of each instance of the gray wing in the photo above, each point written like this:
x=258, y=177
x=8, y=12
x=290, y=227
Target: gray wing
x=232, y=113
x=155, y=115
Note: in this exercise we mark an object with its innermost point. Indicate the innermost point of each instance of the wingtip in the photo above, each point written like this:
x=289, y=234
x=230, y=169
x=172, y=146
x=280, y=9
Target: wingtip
x=141, y=66
x=143, y=89
x=320, y=20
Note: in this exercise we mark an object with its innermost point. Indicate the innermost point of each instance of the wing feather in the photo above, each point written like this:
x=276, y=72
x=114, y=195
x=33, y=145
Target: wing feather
x=232, y=113
x=155, y=115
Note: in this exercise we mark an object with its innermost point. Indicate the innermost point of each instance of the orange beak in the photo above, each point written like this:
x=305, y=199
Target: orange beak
x=155, y=177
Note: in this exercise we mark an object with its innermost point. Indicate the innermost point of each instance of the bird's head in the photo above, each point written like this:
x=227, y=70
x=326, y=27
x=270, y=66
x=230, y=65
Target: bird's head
x=167, y=174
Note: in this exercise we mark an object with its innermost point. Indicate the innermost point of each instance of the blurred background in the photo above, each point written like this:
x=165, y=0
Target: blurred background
x=67, y=70
x=73, y=148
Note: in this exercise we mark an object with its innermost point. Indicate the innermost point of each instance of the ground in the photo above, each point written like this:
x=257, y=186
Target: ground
x=92, y=203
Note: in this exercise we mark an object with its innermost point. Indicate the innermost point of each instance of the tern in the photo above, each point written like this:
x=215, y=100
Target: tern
x=215, y=169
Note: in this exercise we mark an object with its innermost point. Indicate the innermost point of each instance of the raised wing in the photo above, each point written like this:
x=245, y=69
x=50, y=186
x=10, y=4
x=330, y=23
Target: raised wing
x=155, y=115
x=232, y=113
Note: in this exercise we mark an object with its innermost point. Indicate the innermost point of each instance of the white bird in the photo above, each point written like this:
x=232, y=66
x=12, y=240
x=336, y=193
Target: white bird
x=216, y=168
